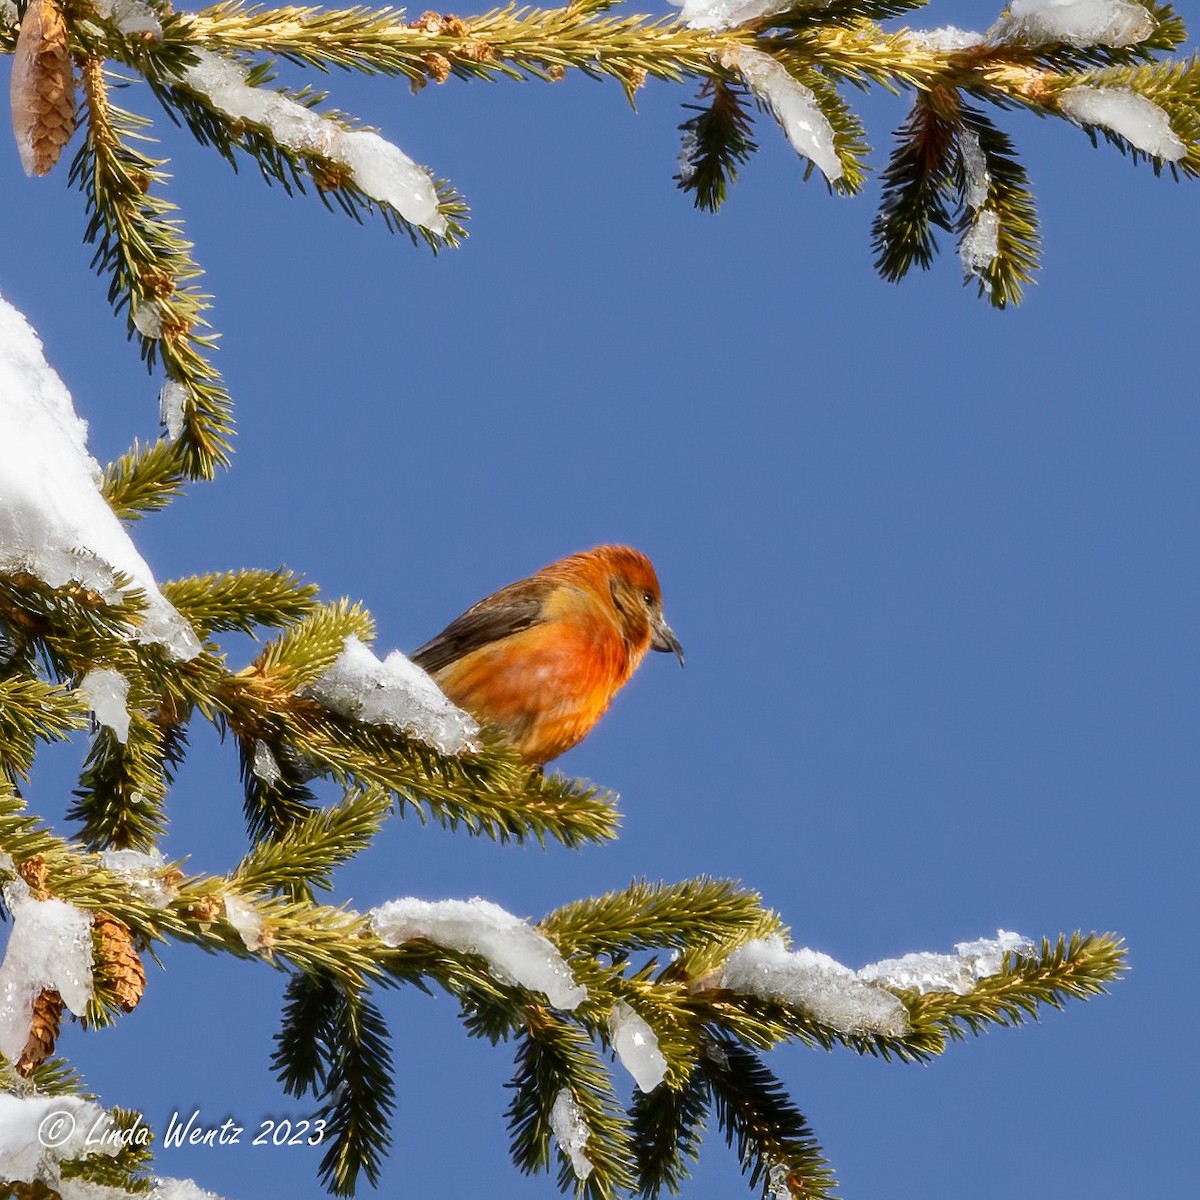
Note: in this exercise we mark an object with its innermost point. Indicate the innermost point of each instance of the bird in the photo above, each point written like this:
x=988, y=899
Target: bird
x=541, y=659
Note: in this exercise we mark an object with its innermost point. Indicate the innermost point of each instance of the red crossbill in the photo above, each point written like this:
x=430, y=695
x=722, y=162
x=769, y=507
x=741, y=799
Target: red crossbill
x=542, y=659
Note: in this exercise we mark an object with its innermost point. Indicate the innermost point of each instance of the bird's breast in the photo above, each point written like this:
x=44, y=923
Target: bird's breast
x=545, y=687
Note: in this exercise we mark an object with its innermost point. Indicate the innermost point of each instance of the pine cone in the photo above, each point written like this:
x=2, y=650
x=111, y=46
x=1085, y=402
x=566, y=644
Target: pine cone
x=117, y=960
x=43, y=87
x=43, y=1032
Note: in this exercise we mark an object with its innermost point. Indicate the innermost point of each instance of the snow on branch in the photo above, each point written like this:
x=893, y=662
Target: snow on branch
x=144, y=872
x=1114, y=23
x=791, y=103
x=395, y=693
x=378, y=168
x=105, y=692
x=726, y=14
x=636, y=1045
x=131, y=17
x=54, y=523
x=860, y=1002
x=945, y=39
x=49, y=948
x=958, y=972
x=39, y=1132
x=1123, y=111
x=516, y=954
x=807, y=979
x=571, y=1132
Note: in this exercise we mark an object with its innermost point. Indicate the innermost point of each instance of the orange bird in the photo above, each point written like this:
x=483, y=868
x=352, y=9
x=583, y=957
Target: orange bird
x=542, y=659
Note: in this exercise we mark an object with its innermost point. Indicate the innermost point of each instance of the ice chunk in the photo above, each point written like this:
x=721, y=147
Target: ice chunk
x=37, y=1131
x=1138, y=120
x=981, y=243
x=794, y=106
x=1076, y=22
x=958, y=972
x=172, y=401
x=379, y=169
x=726, y=14
x=946, y=39
x=54, y=522
x=778, y=1187
x=387, y=174
x=148, y=319
x=975, y=171
x=142, y=871
x=265, y=767
x=130, y=17
x=245, y=918
x=921, y=972
x=637, y=1047
x=395, y=693
x=105, y=692
x=807, y=979
x=986, y=955
x=50, y=946
x=515, y=952
x=571, y=1132
x=689, y=154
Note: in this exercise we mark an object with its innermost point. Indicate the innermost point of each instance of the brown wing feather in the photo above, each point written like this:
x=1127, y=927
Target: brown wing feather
x=502, y=614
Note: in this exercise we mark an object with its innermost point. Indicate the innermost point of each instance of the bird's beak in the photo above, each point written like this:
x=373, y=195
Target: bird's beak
x=664, y=640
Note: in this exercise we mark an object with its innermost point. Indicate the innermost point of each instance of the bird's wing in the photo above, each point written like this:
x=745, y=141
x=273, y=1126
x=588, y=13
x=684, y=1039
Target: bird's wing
x=502, y=614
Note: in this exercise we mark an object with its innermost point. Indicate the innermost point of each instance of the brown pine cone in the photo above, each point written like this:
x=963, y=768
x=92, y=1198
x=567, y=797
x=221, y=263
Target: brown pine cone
x=43, y=1032
x=43, y=87
x=117, y=961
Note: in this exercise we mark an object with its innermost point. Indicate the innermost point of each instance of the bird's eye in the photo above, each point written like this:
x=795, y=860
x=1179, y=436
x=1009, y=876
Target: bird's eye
x=649, y=598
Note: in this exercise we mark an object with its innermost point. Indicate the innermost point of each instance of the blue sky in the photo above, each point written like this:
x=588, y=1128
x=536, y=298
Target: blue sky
x=934, y=567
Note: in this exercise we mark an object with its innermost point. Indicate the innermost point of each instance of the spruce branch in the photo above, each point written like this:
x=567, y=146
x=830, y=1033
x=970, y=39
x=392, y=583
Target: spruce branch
x=305, y=1041
x=311, y=848
x=360, y=1094
x=290, y=167
x=140, y=247
x=488, y=792
x=658, y=916
x=32, y=710
x=716, y=142
x=241, y=600
x=1010, y=198
x=1074, y=967
x=554, y=1057
x=144, y=479
x=119, y=801
x=71, y=625
x=273, y=805
x=916, y=188
x=667, y=1126
x=774, y=1142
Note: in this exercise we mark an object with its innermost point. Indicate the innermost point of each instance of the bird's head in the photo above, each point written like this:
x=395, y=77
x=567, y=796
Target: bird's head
x=633, y=587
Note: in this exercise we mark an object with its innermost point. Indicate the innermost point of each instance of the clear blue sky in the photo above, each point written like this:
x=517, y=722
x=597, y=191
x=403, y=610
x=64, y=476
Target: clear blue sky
x=934, y=566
